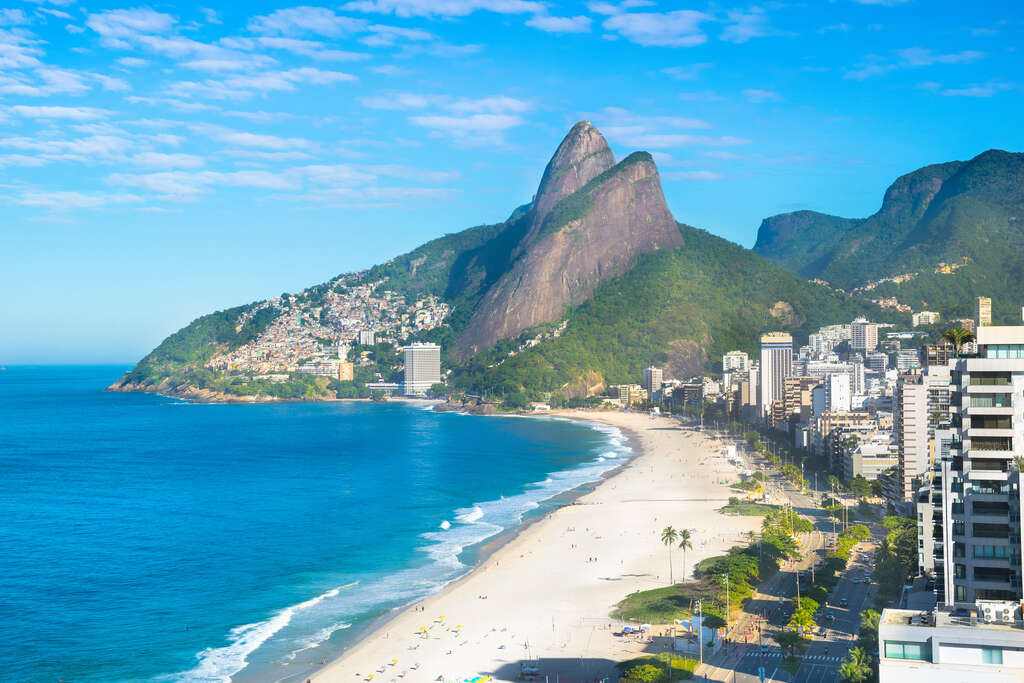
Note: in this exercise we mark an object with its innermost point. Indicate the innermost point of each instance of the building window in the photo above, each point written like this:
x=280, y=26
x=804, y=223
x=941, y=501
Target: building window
x=992, y=655
x=959, y=593
x=901, y=649
x=1004, y=351
x=959, y=571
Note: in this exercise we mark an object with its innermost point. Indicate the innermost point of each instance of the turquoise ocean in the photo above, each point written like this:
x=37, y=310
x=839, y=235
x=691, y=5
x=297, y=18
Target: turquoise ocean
x=144, y=538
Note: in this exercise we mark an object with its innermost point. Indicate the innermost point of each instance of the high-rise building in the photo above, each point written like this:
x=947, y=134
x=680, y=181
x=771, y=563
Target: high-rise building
x=863, y=335
x=346, y=371
x=925, y=318
x=838, y=393
x=735, y=360
x=908, y=359
x=920, y=407
x=422, y=368
x=776, y=366
x=652, y=381
x=982, y=312
x=876, y=362
x=367, y=338
x=971, y=507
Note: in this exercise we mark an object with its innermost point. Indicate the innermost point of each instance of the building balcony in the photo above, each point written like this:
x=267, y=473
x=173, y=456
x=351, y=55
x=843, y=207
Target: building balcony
x=989, y=388
x=986, y=410
x=988, y=475
x=974, y=432
x=975, y=454
x=995, y=364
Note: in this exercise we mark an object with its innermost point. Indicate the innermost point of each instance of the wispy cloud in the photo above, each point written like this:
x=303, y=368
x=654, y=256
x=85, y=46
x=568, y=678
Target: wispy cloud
x=681, y=28
x=757, y=95
x=984, y=90
x=578, y=24
x=703, y=176
x=909, y=58
x=688, y=72
x=445, y=8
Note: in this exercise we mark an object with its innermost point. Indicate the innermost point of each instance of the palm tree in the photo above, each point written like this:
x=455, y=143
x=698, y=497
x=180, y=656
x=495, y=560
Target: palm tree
x=958, y=336
x=669, y=536
x=686, y=543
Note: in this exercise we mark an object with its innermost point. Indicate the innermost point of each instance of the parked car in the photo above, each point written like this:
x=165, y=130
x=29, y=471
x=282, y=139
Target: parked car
x=843, y=602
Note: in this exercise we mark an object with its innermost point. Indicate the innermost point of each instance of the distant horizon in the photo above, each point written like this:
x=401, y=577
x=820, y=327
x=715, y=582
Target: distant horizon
x=163, y=164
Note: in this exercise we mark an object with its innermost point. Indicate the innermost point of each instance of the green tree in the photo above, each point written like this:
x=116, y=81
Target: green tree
x=958, y=336
x=790, y=641
x=669, y=536
x=685, y=543
x=856, y=668
x=645, y=673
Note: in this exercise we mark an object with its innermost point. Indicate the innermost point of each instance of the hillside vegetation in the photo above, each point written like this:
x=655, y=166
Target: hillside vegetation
x=955, y=228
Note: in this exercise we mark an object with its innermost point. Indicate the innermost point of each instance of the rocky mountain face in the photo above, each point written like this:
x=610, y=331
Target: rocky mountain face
x=590, y=219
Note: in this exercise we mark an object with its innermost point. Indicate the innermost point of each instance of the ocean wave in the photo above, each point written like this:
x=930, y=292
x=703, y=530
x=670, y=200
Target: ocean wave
x=218, y=665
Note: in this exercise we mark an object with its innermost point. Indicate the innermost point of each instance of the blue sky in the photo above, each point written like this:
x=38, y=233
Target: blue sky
x=161, y=161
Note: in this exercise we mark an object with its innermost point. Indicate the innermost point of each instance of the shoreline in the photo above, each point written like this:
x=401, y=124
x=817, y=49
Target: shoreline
x=490, y=546
x=482, y=580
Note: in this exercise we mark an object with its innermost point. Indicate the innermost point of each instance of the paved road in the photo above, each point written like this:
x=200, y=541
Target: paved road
x=829, y=647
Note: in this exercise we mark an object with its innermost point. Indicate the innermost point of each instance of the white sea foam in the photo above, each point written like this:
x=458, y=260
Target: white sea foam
x=218, y=665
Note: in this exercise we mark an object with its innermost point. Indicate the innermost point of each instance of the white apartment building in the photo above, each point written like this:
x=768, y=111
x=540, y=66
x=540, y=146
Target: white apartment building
x=863, y=335
x=735, y=361
x=776, y=366
x=422, y=368
x=838, y=392
x=972, y=505
x=925, y=318
x=950, y=647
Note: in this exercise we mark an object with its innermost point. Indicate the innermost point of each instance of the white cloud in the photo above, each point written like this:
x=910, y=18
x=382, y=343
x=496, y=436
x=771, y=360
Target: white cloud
x=757, y=95
x=445, y=8
x=695, y=175
x=578, y=24
x=173, y=103
x=58, y=3
x=67, y=113
x=990, y=89
x=672, y=140
x=681, y=28
x=306, y=20
x=133, y=62
x=688, y=72
x=742, y=26
x=88, y=149
x=909, y=58
x=245, y=139
x=117, y=27
x=473, y=129
x=13, y=17
x=159, y=160
x=18, y=50
x=210, y=15
x=625, y=122
x=397, y=101
x=385, y=36
x=916, y=56
x=184, y=185
x=388, y=70
x=66, y=201
x=47, y=81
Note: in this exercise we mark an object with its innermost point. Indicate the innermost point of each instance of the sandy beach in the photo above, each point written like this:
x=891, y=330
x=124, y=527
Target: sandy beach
x=547, y=593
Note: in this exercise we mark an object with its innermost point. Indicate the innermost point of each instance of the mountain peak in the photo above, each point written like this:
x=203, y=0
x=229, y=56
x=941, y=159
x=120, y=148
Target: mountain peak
x=582, y=156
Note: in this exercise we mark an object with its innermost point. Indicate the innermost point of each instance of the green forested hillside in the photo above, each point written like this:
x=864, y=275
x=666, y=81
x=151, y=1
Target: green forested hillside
x=968, y=214
x=681, y=309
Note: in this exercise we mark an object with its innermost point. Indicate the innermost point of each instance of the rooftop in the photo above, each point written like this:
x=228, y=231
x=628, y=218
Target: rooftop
x=940, y=619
